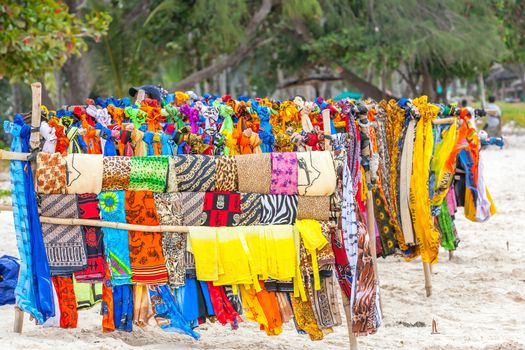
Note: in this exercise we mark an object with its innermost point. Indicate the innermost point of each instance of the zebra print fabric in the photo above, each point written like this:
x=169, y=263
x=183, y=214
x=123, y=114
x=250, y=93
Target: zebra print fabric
x=195, y=173
x=278, y=209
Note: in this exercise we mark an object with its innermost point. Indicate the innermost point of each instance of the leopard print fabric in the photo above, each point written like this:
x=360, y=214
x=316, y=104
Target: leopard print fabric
x=226, y=178
x=116, y=171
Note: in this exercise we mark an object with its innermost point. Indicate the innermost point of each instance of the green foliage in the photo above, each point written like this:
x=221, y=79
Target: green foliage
x=38, y=36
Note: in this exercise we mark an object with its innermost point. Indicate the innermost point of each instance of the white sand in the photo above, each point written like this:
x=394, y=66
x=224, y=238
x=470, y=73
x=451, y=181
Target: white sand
x=478, y=298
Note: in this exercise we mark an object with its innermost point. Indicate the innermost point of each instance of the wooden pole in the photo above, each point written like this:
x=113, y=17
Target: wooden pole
x=36, y=90
x=327, y=130
x=19, y=320
x=428, y=278
x=348, y=314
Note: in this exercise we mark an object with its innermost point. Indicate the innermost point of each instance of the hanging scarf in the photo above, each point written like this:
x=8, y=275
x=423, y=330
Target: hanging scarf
x=51, y=173
x=65, y=245
x=316, y=174
x=34, y=292
x=148, y=173
x=404, y=183
x=192, y=212
x=226, y=178
x=195, y=173
x=366, y=317
x=167, y=314
x=116, y=245
x=116, y=173
x=284, y=174
x=145, y=248
x=251, y=209
x=84, y=173
x=88, y=209
x=222, y=209
x=123, y=307
x=67, y=301
x=383, y=221
x=255, y=173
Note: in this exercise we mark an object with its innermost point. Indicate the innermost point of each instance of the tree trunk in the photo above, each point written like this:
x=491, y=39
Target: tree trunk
x=363, y=86
x=235, y=57
x=75, y=71
x=428, y=84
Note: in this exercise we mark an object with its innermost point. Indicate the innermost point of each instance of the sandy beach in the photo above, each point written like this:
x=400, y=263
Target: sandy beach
x=478, y=298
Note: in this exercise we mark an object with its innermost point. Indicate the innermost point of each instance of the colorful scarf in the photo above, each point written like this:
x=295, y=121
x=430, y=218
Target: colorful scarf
x=172, y=185
x=255, y=172
x=284, y=173
x=169, y=210
x=226, y=178
x=251, y=209
x=65, y=245
x=192, y=204
x=123, y=307
x=84, y=173
x=167, y=313
x=386, y=230
x=316, y=174
x=278, y=210
x=148, y=173
x=195, y=173
x=116, y=245
x=88, y=209
x=222, y=209
x=145, y=248
x=317, y=208
x=67, y=301
x=116, y=172
x=404, y=183
x=33, y=295
x=51, y=173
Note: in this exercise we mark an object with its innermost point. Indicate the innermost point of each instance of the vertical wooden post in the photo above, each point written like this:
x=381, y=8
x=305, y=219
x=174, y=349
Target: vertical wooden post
x=36, y=90
x=19, y=320
x=428, y=278
x=348, y=315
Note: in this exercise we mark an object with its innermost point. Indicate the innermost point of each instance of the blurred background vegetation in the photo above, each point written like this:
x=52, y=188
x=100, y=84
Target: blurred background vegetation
x=445, y=49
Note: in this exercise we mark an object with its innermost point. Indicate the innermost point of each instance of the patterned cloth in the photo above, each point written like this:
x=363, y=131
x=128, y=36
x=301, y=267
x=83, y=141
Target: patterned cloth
x=366, y=317
x=284, y=173
x=251, y=209
x=222, y=209
x=28, y=287
x=317, y=208
x=51, y=172
x=116, y=172
x=67, y=301
x=65, y=245
x=278, y=210
x=169, y=209
x=195, y=173
x=88, y=209
x=192, y=203
x=148, y=173
x=145, y=248
x=255, y=172
x=386, y=231
x=172, y=185
x=84, y=173
x=226, y=178
x=116, y=245
x=316, y=174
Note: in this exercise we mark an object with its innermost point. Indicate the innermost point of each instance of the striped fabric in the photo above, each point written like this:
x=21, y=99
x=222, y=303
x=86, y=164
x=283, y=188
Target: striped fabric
x=192, y=204
x=251, y=209
x=278, y=210
x=195, y=173
x=65, y=245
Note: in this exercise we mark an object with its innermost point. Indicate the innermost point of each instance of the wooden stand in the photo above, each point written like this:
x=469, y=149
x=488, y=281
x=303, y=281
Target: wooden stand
x=19, y=320
x=428, y=278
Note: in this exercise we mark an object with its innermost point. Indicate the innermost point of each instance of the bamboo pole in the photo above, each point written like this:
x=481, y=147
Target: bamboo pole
x=112, y=224
x=8, y=155
x=444, y=120
x=36, y=90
